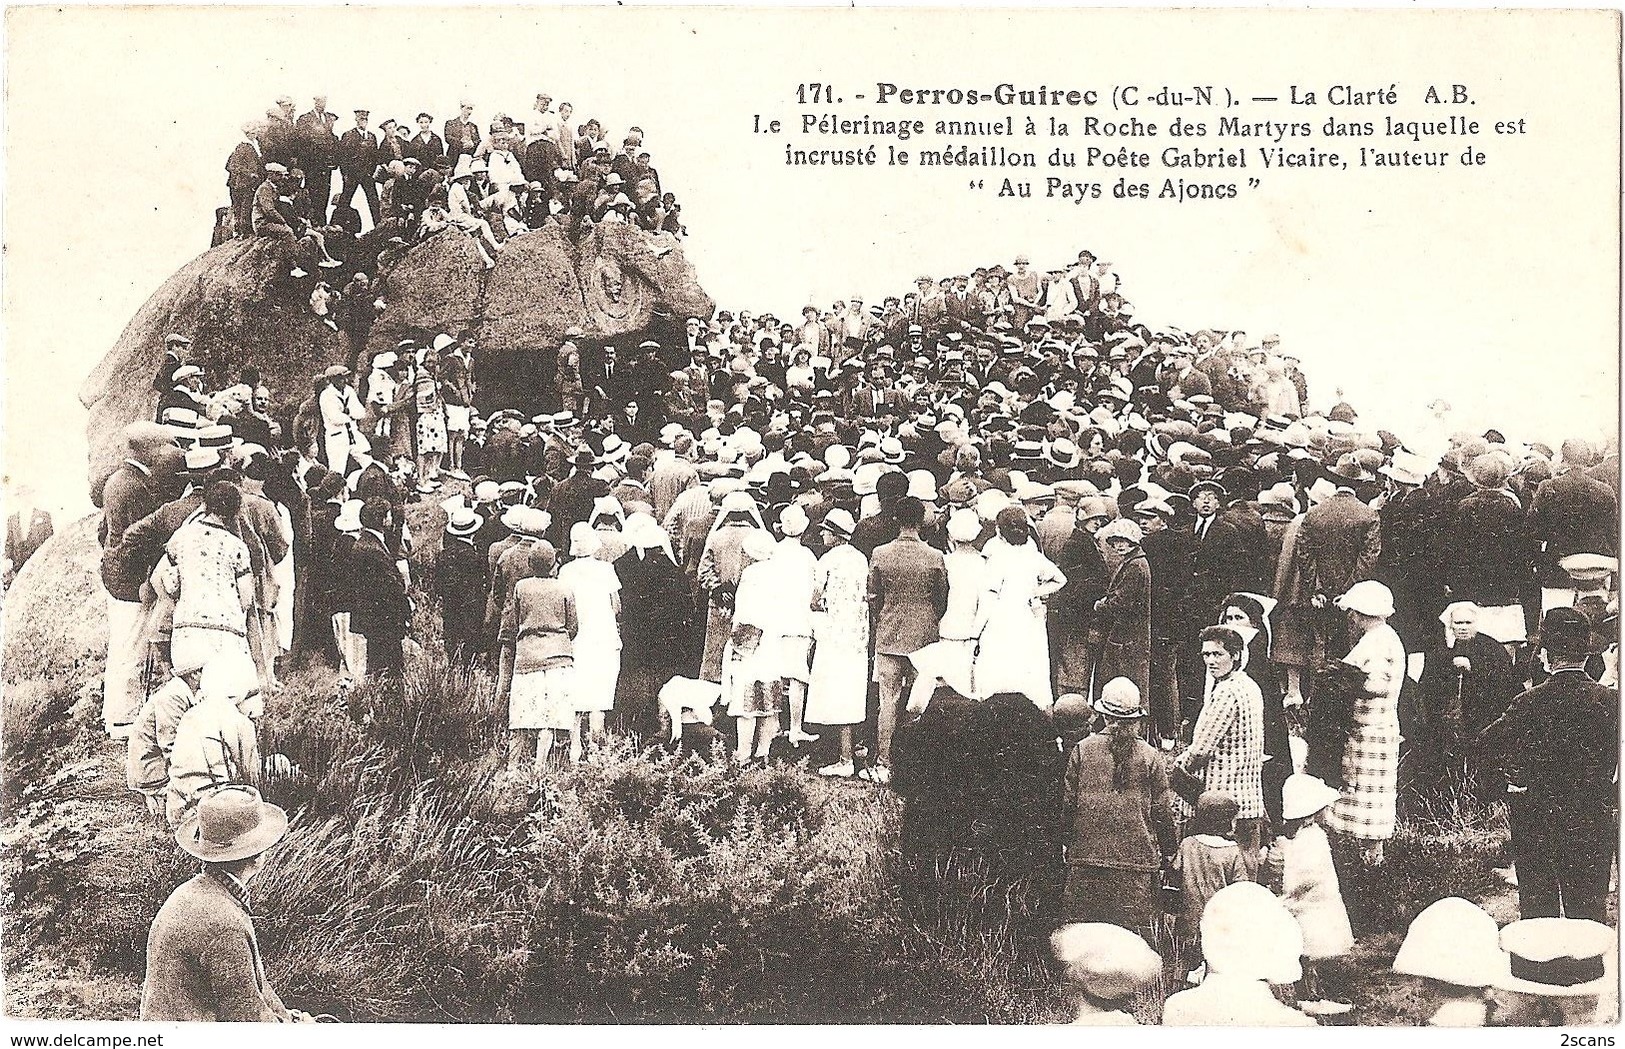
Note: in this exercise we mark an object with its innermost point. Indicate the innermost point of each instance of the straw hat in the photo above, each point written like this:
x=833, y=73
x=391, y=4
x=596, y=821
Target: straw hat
x=463, y=521
x=1557, y=957
x=1120, y=699
x=1454, y=941
x=840, y=522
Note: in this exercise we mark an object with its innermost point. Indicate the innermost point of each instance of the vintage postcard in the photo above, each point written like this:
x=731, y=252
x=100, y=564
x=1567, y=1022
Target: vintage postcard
x=720, y=516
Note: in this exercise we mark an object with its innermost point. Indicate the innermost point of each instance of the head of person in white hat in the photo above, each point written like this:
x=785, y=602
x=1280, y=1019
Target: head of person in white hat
x=1107, y=965
x=1249, y=940
x=1454, y=947
x=1367, y=599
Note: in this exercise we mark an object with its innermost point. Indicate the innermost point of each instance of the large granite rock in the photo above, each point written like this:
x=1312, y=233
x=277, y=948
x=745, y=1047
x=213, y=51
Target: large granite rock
x=55, y=618
x=238, y=307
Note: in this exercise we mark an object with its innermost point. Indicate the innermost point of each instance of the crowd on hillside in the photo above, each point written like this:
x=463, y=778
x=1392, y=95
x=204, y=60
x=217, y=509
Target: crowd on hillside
x=895, y=541
x=416, y=182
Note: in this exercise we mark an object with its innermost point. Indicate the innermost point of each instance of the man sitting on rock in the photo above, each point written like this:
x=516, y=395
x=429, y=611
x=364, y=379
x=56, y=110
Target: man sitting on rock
x=275, y=216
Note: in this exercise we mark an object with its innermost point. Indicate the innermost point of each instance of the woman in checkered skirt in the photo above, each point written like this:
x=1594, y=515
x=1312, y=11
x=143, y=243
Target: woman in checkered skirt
x=1365, y=812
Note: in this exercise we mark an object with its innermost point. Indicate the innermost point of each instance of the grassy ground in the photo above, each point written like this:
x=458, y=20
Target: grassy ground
x=387, y=839
x=421, y=881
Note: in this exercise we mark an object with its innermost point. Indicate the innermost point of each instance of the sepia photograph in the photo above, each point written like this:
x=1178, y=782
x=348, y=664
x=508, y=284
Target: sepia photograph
x=825, y=516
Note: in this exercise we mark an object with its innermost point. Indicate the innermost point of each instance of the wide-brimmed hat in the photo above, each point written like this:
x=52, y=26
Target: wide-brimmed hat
x=1303, y=795
x=1408, y=468
x=1369, y=598
x=1106, y=961
x=1278, y=500
x=1556, y=957
x=231, y=823
x=1454, y=941
x=1120, y=699
x=1062, y=453
x=1247, y=932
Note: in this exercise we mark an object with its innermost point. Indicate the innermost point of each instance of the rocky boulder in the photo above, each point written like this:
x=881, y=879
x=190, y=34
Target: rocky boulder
x=240, y=309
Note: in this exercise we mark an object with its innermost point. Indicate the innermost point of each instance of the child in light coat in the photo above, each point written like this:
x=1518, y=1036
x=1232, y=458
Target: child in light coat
x=1310, y=889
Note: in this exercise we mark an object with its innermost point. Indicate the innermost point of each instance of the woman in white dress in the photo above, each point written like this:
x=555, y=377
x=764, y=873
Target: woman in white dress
x=1014, y=654
x=1365, y=812
x=597, y=591
x=839, y=692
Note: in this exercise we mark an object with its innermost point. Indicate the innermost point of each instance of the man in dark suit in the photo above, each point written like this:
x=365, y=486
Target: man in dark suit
x=426, y=145
x=27, y=528
x=610, y=375
x=573, y=498
x=245, y=170
x=1572, y=513
x=383, y=611
x=625, y=163
x=357, y=157
x=1557, y=744
x=1216, y=552
x=462, y=135
x=318, y=152
x=908, y=595
x=539, y=161
x=1339, y=543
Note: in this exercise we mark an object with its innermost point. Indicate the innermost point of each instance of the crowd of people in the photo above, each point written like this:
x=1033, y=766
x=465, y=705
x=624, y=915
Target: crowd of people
x=995, y=520
x=515, y=176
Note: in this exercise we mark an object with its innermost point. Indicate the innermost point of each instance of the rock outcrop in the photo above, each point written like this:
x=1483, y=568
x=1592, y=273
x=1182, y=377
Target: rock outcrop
x=56, y=611
x=237, y=305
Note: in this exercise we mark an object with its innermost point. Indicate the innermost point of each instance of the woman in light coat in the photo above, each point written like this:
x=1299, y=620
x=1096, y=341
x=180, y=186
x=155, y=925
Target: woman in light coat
x=839, y=690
